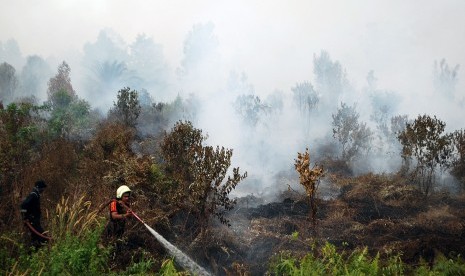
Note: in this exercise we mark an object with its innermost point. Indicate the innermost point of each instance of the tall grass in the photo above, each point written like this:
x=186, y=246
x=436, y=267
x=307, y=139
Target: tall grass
x=327, y=261
x=75, y=249
x=73, y=218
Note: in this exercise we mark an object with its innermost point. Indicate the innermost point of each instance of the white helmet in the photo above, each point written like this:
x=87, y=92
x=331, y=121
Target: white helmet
x=121, y=190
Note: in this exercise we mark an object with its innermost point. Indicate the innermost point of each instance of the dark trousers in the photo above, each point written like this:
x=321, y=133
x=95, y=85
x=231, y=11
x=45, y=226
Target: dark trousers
x=36, y=240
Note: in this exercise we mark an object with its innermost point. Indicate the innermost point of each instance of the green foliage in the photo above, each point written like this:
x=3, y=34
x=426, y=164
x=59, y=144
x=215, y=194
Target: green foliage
x=127, y=108
x=70, y=255
x=458, y=158
x=354, y=137
x=327, y=261
x=69, y=116
x=168, y=269
x=20, y=137
x=60, y=90
x=442, y=266
x=177, y=149
x=141, y=267
x=76, y=247
x=200, y=172
x=424, y=143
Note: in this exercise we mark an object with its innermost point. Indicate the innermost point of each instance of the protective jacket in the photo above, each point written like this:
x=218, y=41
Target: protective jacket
x=30, y=211
x=115, y=227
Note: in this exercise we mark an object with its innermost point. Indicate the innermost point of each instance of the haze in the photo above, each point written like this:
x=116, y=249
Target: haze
x=273, y=43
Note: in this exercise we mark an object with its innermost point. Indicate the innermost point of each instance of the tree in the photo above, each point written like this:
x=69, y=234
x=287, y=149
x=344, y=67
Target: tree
x=8, y=82
x=384, y=104
x=330, y=80
x=21, y=132
x=200, y=172
x=106, y=61
x=69, y=115
x=70, y=118
x=309, y=178
x=353, y=136
x=34, y=77
x=305, y=97
x=127, y=108
x=200, y=47
x=445, y=78
x=11, y=53
x=109, y=46
x=148, y=63
x=60, y=90
x=424, y=143
x=458, y=156
x=238, y=84
x=250, y=108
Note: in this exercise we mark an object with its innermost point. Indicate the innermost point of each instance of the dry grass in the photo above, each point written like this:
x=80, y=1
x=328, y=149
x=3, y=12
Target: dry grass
x=340, y=210
x=440, y=219
x=73, y=217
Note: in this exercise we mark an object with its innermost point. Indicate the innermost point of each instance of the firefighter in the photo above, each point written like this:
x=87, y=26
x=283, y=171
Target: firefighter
x=119, y=212
x=31, y=214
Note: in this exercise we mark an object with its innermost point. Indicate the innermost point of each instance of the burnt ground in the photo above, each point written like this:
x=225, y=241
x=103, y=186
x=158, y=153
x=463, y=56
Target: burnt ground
x=371, y=211
x=385, y=214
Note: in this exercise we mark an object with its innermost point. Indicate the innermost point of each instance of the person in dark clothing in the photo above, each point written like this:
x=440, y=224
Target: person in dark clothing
x=31, y=214
x=118, y=213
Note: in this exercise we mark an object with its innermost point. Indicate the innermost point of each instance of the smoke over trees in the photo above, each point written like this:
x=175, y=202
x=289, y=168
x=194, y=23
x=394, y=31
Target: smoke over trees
x=268, y=126
x=8, y=82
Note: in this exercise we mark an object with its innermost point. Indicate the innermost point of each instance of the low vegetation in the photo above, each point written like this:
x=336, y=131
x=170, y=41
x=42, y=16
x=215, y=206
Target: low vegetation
x=373, y=224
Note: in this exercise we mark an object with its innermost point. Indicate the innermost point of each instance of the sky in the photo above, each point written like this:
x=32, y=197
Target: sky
x=273, y=42
x=265, y=39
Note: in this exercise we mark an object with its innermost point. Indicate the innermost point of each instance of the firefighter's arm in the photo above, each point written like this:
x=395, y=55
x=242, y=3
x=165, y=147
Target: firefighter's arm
x=115, y=215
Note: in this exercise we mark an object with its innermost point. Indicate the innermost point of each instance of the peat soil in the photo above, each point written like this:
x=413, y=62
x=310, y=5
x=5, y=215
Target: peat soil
x=370, y=211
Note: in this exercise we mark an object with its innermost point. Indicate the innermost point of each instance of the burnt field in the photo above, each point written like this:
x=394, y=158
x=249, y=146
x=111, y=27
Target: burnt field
x=384, y=214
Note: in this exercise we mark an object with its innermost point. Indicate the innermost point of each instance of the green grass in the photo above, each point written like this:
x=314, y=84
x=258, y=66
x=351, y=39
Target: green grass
x=327, y=261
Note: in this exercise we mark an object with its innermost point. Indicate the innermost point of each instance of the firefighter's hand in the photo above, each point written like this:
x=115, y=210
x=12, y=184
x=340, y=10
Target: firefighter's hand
x=128, y=214
x=23, y=214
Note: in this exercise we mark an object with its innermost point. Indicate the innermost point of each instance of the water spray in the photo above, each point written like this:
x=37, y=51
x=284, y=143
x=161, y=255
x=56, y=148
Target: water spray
x=182, y=259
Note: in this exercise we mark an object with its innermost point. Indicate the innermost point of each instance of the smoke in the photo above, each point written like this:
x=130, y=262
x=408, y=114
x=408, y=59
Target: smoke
x=239, y=63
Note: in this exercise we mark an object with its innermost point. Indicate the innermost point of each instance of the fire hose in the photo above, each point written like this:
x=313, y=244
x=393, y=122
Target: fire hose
x=183, y=260
x=29, y=225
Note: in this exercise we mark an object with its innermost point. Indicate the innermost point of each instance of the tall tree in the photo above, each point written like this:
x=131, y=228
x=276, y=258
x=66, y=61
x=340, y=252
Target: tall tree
x=148, y=63
x=330, y=80
x=60, y=90
x=20, y=136
x=8, y=82
x=127, y=107
x=354, y=137
x=11, y=53
x=425, y=145
x=200, y=172
x=445, y=78
x=458, y=157
x=200, y=47
x=34, y=76
x=305, y=97
x=250, y=108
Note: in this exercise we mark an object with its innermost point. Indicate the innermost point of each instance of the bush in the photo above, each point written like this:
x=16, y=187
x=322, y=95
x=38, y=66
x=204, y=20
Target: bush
x=327, y=261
